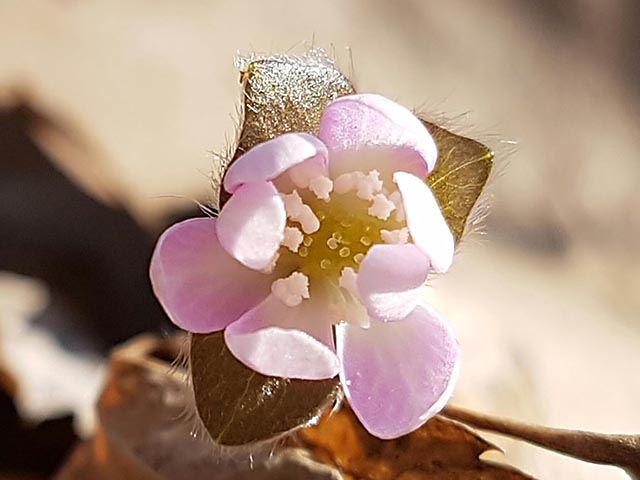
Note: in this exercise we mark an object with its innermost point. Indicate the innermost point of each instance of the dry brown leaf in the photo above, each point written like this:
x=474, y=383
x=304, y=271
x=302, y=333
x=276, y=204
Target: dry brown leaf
x=143, y=433
x=441, y=449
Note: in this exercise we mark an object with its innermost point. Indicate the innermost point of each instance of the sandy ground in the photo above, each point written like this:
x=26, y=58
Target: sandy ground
x=546, y=303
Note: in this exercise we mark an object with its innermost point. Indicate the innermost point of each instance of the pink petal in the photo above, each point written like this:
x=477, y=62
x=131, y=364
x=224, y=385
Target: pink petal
x=281, y=341
x=397, y=375
x=386, y=160
x=426, y=223
x=200, y=286
x=251, y=224
x=390, y=280
x=355, y=122
x=270, y=159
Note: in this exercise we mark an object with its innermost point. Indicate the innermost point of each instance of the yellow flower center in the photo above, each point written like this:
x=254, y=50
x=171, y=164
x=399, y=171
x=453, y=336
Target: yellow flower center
x=330, y=228
x=345, y=235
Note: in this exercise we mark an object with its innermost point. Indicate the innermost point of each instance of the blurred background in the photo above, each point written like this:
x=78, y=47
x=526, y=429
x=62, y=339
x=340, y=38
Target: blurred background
x=109, y=110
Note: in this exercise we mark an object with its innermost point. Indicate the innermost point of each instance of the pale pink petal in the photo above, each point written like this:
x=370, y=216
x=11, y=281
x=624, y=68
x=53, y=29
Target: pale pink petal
x=426, y=223
x=356, y=122
x=390, y=280
x=251, y=224
x=281, y=341
x=270, y=159
x=200, y=286
x=385, y=160
x=397, y=375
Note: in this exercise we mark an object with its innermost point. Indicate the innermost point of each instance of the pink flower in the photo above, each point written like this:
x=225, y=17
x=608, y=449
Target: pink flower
x=315, y=265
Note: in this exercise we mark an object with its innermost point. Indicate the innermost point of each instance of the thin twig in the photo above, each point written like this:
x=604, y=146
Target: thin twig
x=619, y=450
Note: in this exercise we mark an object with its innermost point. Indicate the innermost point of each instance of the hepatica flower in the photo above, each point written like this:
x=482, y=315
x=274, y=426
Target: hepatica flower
x=316, y=264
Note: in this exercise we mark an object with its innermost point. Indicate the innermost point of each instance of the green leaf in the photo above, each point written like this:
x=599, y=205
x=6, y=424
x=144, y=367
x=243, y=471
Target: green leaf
x=460, y=175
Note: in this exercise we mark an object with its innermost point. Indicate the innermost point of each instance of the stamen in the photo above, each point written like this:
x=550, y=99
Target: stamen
x=321, y=186
x=358, y=257
x=366, y=241
x=307, y=241
x=292, y=203
x=291, y=290
x=299, y=212
x=368, y=185
x=308, y=220
x=303, y=173
x=346, y=222
x=381, y=207
x=345, y=182
x=348, y=281
x=396, y=198
x=293, y=237
x=325, y=263
x=344, y=252
x=332, y=243
x=395, y=236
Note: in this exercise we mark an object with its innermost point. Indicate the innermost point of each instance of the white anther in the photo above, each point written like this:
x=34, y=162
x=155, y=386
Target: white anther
x=381, y=207
x=345, y=182
x=395, y=236
x=292, y=203
x=368, y=185
x=348, y=281
x=293, y=237
x=299, y=212
x=308, y=220
x=321, y=186
x=291, y=290
x=396, y=198
x=304, y=172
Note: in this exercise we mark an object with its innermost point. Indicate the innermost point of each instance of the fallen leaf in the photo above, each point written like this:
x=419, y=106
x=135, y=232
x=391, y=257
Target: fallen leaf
x=143, y=432
x=460, y=175
x=441, y=449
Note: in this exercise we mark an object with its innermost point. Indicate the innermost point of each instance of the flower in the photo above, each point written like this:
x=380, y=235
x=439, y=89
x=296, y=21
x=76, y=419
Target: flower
x=315, y=265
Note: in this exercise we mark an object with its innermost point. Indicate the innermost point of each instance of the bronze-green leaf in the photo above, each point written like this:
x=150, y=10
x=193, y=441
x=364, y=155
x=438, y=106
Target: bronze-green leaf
x=285, y=94
x=460, y=175
x=238, y=406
